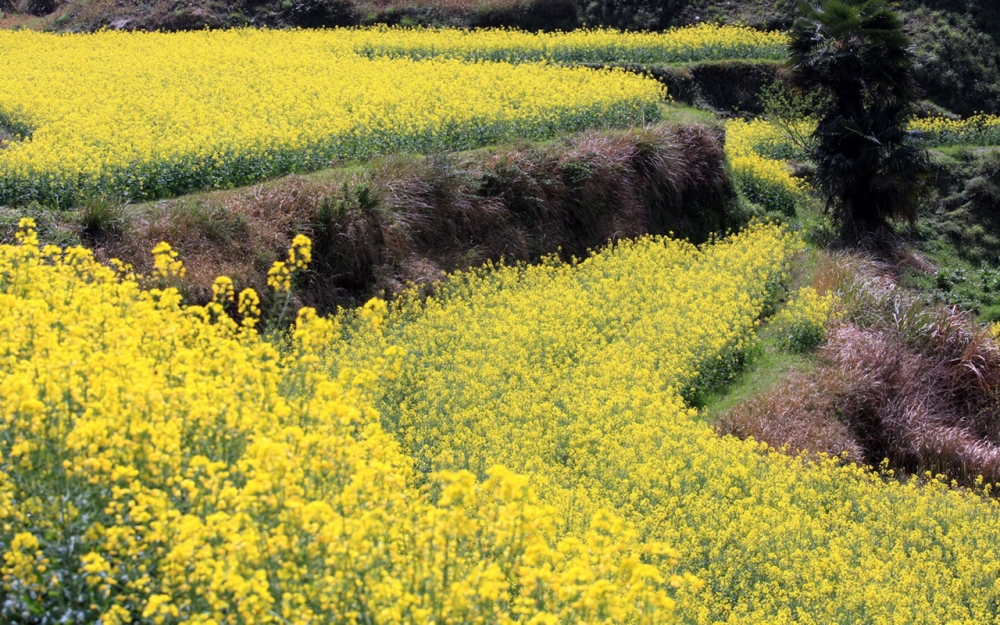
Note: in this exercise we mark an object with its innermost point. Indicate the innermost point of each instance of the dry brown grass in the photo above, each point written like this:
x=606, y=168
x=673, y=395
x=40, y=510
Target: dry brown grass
x=897, y=379
x=253, y=235
x=925, y=397
x=410, y=219
x=795, y=416
x=13, y=21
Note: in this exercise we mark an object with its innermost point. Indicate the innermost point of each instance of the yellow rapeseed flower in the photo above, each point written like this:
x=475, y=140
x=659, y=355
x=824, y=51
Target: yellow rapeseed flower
x=145, y=115
x=158, y=465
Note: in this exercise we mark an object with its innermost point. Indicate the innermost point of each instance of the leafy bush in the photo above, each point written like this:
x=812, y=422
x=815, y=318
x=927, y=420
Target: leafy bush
x=984, y=14
x=316, y=13
x=960, y=232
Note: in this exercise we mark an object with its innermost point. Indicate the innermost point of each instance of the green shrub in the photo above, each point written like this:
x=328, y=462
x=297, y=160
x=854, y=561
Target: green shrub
x=956, y=65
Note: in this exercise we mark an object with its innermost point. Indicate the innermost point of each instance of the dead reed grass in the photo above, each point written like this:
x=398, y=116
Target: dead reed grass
x=409, y=219
x=897, y=379
x=795, y=416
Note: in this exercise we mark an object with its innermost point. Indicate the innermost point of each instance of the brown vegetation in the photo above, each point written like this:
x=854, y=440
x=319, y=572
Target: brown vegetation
x=409, y=219
x=466, y=6
x=897, y=379
x=797, y=415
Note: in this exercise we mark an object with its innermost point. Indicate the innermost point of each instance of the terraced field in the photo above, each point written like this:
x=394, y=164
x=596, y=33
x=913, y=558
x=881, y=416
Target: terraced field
x=517, y=443
x=142, y=116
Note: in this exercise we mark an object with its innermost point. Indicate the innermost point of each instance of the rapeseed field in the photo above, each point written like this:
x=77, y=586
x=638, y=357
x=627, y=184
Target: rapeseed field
x=146, y=115
x=704, y=42
x=758, y=153
x=163, y=464
x=582, y=377
x=521, y=447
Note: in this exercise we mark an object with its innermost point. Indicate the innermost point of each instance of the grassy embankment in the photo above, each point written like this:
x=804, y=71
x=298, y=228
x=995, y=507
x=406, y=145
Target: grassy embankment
x=378, y=226
x=901, y=377
x=406, y=219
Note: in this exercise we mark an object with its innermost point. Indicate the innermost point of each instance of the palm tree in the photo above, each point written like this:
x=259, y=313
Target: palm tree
x=856, y=54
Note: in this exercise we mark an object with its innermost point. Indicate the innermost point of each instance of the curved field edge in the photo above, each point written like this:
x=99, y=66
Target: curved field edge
x=402, y=219
x=578, y=374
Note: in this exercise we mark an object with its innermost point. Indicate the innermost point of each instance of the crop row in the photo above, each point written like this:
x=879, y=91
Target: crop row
x=978, y=130
x=759, y=151
x=146, y=115
x=704, y=42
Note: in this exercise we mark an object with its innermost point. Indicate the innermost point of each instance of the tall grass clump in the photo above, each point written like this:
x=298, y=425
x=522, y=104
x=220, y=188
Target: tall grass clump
x=897, y=380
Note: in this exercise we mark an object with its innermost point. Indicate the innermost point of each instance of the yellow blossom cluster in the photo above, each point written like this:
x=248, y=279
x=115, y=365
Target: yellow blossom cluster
x=223, y=291
x=144, y=115
x=161, y=464
x=279, y=276
x=757, y=153
x=801, y=324
x=580, y=376
x=166, y=264
x=704, y=42
x=980, y=129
